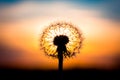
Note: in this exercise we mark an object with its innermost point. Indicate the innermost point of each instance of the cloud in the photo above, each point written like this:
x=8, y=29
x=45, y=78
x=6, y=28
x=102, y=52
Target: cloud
x=9, y=54
x=110, y=8
x=108, y=61
x=26, y=10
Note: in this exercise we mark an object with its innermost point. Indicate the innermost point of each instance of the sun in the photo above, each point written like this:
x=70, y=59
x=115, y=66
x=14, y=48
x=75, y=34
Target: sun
x=58, y=29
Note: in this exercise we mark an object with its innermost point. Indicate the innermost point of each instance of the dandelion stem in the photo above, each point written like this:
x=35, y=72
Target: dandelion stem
x=60, y=57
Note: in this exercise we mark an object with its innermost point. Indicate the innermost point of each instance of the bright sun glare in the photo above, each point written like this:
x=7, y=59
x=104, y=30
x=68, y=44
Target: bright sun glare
x=57, y=29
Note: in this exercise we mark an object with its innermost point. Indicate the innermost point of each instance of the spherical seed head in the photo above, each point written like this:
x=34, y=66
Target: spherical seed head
x=61, y=34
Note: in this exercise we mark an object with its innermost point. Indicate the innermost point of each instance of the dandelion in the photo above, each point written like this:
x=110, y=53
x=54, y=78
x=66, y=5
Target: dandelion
x=61, y=40
x=61, y=29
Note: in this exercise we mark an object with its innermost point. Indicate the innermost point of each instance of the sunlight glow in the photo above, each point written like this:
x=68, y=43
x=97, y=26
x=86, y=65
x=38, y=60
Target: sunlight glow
x=61, y=28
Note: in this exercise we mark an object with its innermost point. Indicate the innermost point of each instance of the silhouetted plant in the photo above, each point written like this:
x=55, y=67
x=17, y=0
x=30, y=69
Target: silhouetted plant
x=61, y=40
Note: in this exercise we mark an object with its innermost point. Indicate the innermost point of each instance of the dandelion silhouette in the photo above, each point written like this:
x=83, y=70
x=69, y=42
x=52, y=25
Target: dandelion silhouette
x=61, y=40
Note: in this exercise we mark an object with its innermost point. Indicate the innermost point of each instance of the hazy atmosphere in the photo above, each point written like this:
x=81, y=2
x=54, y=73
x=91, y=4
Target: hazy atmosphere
x=23, y=21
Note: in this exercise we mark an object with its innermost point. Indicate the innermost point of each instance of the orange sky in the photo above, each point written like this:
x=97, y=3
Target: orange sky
x=99, y=50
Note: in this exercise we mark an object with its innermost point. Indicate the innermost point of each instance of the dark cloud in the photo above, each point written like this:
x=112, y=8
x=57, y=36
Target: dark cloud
x=110, y=8
x=9, y=1
x=9, y=54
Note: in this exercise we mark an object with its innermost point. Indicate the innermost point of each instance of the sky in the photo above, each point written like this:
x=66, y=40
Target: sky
x=22, y=23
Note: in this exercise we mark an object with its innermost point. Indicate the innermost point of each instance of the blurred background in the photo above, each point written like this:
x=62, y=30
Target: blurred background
x=23, y=21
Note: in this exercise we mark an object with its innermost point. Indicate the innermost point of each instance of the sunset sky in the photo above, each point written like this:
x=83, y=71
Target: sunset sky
x=23, y=21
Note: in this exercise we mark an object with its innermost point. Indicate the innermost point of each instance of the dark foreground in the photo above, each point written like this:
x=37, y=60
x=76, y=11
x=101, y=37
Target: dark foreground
x=75, y=74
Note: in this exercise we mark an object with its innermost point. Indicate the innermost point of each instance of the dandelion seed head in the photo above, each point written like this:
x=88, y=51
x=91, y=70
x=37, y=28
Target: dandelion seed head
x=58, y=29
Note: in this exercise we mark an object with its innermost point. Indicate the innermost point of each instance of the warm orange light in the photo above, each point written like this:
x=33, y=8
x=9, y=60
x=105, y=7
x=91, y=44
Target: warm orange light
x=61, y=28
